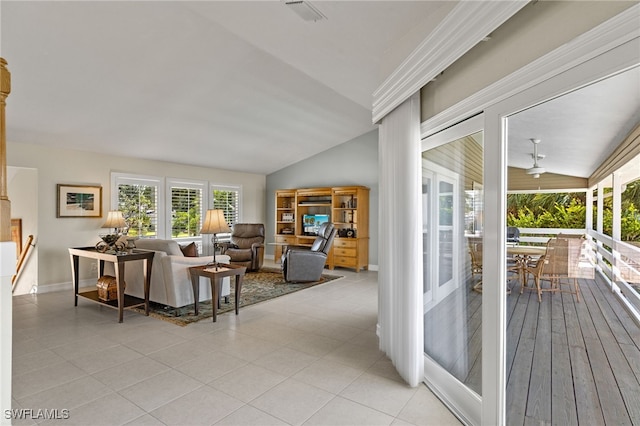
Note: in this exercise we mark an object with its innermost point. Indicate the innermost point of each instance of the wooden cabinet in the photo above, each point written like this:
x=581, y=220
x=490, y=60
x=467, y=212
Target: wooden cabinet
x=350, y=212
x=300, y=211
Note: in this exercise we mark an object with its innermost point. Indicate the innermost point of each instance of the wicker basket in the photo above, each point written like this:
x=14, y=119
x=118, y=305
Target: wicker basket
x=108, y=288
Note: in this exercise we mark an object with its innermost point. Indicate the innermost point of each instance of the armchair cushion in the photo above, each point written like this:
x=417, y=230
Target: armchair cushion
x=239, y=254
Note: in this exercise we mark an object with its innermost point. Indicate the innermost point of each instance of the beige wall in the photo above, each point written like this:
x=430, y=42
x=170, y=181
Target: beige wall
x=55, y=166
x=537, y=29
x=22, y=185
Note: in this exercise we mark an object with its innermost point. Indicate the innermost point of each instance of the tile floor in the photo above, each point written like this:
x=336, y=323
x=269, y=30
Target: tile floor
x=308, y=358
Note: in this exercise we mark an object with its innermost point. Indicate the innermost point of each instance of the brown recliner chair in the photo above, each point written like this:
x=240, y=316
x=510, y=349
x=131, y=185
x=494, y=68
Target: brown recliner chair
x=304, y=264
x=246, y=247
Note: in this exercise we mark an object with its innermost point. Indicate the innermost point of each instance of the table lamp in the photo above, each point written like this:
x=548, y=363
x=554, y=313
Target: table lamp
x=214, y=223
x=115, y=220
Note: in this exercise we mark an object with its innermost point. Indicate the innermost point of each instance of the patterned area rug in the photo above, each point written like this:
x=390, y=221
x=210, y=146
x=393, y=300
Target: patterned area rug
x=257, y=287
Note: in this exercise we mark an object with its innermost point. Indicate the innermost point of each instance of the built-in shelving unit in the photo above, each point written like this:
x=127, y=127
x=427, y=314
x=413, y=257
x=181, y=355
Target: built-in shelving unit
x=346, y=207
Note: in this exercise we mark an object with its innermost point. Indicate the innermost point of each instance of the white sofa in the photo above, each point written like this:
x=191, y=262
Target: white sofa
x=170, y=280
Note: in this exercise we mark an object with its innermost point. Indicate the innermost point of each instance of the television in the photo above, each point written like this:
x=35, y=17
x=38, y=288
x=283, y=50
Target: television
x=311, y=223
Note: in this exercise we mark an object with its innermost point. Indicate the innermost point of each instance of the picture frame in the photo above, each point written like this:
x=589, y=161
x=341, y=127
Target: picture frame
x=79, y=201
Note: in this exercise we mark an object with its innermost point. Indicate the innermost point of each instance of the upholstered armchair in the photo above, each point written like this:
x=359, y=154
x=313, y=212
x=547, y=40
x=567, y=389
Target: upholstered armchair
x=304, y=264
x=246, y=247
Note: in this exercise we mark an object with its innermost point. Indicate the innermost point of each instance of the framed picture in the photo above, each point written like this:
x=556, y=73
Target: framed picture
x=79, y=201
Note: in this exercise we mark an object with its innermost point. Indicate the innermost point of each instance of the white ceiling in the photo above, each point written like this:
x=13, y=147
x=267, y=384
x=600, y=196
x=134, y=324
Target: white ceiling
x=578, y=130
x=250, y=86
x=245, y=86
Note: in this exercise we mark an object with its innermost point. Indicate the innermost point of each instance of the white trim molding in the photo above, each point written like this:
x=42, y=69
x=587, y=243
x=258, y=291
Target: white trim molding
x=465, y=26
x=622, y=28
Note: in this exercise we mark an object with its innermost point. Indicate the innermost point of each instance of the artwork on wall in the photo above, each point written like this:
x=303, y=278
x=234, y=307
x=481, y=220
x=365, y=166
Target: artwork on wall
x=79, y=201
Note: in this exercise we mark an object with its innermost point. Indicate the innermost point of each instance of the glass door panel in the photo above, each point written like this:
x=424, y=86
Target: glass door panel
x=452, y=219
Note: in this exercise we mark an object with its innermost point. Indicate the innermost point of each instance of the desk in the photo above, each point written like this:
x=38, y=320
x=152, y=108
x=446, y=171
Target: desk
x=216, y=276
x=118, y=260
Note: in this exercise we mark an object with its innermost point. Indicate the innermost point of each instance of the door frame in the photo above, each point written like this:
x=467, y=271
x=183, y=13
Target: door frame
x=458, y=397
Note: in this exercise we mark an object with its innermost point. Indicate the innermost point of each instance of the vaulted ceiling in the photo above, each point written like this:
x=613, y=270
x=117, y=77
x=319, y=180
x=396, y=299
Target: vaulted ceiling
x=247, y=86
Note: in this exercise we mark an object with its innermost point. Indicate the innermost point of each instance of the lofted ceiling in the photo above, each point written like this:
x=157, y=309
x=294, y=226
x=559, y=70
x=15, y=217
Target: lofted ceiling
x=246, y=86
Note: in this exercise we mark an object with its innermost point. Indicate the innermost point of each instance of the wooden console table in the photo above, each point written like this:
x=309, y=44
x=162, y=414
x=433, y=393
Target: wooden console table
x=216, y=276
x=118, y=260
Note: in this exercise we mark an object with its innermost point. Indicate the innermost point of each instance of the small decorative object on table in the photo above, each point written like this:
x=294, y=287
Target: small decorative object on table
x=111, y=242
x=108, y=288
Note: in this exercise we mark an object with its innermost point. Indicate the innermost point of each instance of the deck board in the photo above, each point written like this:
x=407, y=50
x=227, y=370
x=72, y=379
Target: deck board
x=567, y=362
x=608, y=388
x=590, y=374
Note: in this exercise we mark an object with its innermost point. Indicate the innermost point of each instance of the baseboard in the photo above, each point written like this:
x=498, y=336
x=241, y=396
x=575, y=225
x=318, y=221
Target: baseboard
x=369, y=267
x=65, y=286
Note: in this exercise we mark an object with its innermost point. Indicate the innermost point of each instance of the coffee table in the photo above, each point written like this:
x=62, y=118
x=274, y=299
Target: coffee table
x=215, y=275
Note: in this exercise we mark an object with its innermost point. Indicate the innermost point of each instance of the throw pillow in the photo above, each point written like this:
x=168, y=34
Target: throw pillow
x=190, y=250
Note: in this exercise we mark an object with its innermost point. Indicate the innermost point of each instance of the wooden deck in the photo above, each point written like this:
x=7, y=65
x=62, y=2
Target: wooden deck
x=568, y=363
x=572, y=363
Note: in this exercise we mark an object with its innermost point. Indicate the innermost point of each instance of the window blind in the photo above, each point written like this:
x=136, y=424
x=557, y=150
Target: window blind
x=227, y=199
x=139, y=206
x=186, y=211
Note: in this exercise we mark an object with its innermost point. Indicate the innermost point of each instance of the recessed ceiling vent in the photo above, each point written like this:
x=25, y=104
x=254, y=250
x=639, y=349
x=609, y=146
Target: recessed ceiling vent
x=536, y=170
x=305, y=10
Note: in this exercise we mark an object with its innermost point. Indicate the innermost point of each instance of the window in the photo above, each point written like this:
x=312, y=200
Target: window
x=139, y=200
x=187, y=204
x=151, y=212
x=227, y=198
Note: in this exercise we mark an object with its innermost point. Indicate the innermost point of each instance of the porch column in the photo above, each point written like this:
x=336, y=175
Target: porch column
x=7, y=256
x=616, y=225
x=616, y=232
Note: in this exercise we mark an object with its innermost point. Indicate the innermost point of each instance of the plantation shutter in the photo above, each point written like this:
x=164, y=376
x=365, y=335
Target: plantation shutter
x=186, y=211
x=138, y=203
x=227, y=199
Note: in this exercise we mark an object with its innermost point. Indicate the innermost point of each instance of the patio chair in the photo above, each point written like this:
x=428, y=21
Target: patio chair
x=475, y=251
x=554, y=268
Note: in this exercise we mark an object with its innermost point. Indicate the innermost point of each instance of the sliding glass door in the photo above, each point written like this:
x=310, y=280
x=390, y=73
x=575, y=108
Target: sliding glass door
x=452, y=221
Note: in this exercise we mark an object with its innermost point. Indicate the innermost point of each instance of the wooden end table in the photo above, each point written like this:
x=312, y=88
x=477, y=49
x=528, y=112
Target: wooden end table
x=118, y=260
x=215, y=276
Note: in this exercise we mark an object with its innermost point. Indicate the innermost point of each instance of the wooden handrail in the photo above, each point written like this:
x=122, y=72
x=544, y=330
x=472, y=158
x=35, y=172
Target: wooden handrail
x=23, y=256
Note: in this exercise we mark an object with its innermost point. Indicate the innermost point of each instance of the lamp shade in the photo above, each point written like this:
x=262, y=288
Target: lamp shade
x=115, y=220
x=214, y=223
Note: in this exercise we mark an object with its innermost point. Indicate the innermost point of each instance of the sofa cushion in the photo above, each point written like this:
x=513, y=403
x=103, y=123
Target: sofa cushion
x=189, y=250
x=170, y=247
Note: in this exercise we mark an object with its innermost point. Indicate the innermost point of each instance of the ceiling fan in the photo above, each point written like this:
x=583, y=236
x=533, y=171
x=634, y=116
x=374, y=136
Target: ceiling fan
x=536, y=170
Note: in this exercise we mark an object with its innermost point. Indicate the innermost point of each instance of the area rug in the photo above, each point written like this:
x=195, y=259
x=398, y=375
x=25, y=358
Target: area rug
x=265, y=284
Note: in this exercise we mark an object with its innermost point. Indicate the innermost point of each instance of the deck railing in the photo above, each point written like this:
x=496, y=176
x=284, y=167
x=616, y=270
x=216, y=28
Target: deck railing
x=617, y=262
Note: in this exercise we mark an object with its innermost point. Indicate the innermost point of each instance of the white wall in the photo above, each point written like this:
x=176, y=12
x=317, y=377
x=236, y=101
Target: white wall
x=56, y=235
x=534, y=31
x=352, y=163
x=22, y=188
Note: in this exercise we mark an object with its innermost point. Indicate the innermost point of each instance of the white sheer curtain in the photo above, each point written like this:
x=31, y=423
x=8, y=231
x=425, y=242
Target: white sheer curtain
x=400, y=326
